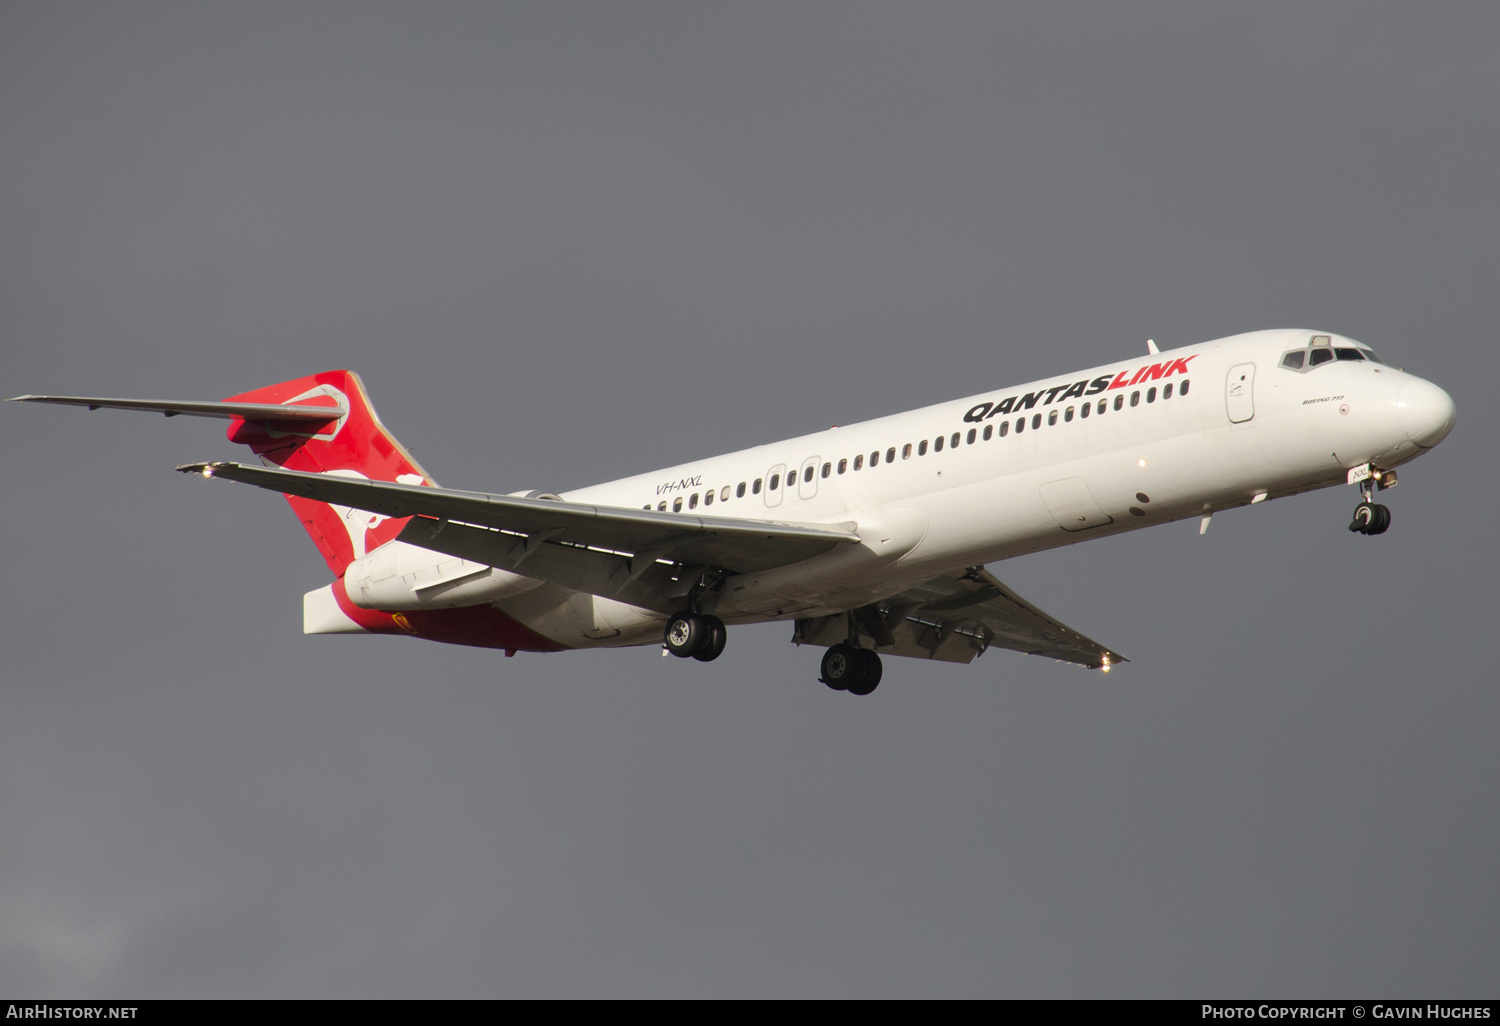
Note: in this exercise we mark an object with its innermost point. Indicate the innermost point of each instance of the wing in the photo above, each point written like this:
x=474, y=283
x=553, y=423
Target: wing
x=507, y=531
x=957, y=617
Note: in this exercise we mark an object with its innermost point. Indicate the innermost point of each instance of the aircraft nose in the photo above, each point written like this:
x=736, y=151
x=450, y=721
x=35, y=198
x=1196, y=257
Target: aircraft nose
x=1426, y=412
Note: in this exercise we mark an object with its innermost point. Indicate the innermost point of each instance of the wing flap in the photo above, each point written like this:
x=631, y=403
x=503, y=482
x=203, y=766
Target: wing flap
x=957, y=617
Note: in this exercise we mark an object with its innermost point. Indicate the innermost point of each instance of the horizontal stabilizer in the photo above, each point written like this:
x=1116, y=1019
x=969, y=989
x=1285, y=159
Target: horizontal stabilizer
x=172, y=408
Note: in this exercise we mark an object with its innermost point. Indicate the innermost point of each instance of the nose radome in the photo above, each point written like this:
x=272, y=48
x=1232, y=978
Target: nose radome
x=1426, y=412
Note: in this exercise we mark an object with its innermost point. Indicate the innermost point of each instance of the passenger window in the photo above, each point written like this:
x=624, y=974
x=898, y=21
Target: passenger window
x=775, y=482
x=807, y=474
x=1087, y=409
x=1320, y=356
x=739, y=492
x=724, y=493
x=937, y=444
x=755, y=488
x=693, y=502
x=1068, y=414
x=1036, y=421
x=661, y=507
x=954, y=440
x=989, y=431
x=708, y=497
x=890, y=454
x=1293, y=360
x=1052, y=418
x=972, y=435
x=1182, y=389
x=827, y=469
x=677, y=504
x=906, y=451
x=1151, y=394
x=1166, y=392
x=1135, y=398
x=922, y=447
x=1348, y=354
x=1004, y=428
x=647, y=507
x=1020, y=424
x=843, y=465
x=859, y=461
x=875, y=459
x=1119, y=402
x=1103, y=405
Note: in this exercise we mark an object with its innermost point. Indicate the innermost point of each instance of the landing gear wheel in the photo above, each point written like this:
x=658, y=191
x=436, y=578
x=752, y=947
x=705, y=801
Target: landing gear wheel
x=685, y=634
x=873, y=672
x=713, y=640
x=843, y=668
x=1370, y=518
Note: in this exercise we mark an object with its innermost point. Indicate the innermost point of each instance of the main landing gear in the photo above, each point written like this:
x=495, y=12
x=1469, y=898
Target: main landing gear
x=855, y=670
x=700, y=637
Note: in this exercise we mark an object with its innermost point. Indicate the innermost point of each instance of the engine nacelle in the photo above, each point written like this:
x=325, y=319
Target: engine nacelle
x=402, y=576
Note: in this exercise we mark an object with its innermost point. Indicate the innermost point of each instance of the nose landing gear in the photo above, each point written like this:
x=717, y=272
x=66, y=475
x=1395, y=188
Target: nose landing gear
x=1371, y=517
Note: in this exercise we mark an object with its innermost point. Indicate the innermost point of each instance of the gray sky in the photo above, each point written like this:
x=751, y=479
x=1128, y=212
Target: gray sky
x=564, y=243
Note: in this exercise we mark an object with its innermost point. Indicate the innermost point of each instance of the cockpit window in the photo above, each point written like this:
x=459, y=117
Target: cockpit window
x=1320, y=350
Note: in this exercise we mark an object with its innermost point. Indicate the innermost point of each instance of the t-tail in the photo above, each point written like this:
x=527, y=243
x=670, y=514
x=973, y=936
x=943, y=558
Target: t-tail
x=323, y=424
x=351, y=443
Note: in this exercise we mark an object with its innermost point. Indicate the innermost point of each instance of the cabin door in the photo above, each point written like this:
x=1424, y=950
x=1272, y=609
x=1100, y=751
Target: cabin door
x=1239, y=393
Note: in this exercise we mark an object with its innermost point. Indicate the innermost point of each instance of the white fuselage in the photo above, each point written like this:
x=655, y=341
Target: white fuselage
x=1236, y=427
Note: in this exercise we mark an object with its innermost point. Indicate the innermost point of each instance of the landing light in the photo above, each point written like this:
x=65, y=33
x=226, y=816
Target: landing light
x=208, y=471
x=1140, y=463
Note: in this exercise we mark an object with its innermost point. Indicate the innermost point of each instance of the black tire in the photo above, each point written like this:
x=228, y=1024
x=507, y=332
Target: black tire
x=713, y=642
x=1365, y=517
x=1382, y=520
x=873, y=672
x=685, y=634
x=842, y=667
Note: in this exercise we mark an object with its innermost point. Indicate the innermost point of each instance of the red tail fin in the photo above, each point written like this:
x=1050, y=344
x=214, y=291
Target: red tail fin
x=356, y=445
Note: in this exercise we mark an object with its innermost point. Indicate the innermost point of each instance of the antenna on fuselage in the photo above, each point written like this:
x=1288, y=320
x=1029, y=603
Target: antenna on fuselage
x=1151, y=346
